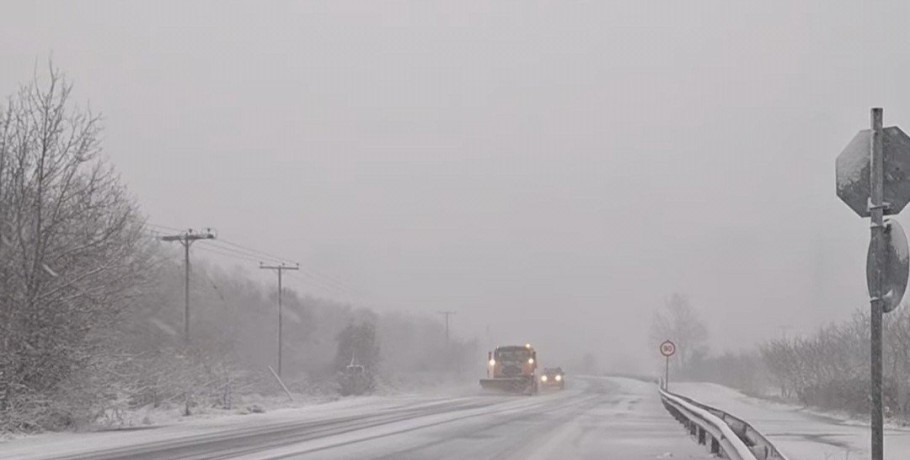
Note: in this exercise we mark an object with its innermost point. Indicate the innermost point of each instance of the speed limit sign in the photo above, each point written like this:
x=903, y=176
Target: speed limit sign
x=668, y=348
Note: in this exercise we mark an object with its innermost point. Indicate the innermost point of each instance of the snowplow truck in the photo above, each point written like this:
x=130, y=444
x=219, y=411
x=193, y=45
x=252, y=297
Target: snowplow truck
x=511, y=369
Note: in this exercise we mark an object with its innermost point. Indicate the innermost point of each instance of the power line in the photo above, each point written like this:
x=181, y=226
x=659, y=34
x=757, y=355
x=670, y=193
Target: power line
x=323, y=280
x=327, y=278
x=172, y=229
x=255, y=255
x=312, y=281
x=214, y=248
x=324, y=286
x=255, y=251
x=245, y=253
x=326, y=282
x=248, y=251
x=227, y=254
x=309, y=284
x=236, y=255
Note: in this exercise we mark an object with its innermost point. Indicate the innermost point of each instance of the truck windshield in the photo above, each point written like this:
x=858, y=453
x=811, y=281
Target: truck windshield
x=516, y=354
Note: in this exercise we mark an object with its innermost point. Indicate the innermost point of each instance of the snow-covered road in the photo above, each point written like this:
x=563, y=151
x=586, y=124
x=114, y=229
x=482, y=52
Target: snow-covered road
x=799, y=433
x=603, y=418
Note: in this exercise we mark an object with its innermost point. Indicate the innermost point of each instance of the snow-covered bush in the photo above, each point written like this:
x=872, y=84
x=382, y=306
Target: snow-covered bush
x=830, y=368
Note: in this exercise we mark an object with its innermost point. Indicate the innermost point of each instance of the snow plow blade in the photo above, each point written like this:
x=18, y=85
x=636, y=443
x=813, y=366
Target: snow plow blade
x=510, y=385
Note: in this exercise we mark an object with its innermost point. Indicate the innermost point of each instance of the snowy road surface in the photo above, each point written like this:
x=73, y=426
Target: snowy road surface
x=602, y=418
x=798, y=433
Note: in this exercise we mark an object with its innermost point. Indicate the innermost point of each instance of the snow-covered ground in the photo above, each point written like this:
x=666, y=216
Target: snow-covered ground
x=799, y=433
x=174, y=428
x=594, y=418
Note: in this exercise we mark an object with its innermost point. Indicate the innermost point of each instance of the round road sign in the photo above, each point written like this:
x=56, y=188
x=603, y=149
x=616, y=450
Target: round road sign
x=895, y=267
x=668, y=348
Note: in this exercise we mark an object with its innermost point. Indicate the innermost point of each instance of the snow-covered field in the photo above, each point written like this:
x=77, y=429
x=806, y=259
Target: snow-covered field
x=799, y=433
x=594, y=418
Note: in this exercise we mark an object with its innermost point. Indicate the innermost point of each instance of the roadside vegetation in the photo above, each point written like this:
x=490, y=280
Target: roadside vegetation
x=91, y=304
x=827, y=370
x=830, y=368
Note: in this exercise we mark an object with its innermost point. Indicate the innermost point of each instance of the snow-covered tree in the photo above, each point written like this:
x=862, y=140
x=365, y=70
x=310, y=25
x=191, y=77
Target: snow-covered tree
x=71, y=249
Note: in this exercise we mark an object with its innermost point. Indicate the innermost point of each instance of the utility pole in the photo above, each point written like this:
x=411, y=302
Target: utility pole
x=187, y=238
x=279, y=269
x=447, y=314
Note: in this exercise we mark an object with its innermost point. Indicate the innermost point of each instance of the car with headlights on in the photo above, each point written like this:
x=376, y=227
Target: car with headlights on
x=553, y=377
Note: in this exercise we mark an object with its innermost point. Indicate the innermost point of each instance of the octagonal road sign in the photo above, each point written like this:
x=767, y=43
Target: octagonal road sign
x=853, y=165
x=668, y=348
x=896, y=267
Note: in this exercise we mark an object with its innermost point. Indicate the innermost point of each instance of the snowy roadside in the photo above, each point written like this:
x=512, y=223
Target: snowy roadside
x=167, y=422
x=798, y=432
x=173, y=427
x=173, y=412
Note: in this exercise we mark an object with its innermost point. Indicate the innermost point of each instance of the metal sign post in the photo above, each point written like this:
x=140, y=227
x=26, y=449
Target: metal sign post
x=875, y=289
x=668, y=349
x=873, y=178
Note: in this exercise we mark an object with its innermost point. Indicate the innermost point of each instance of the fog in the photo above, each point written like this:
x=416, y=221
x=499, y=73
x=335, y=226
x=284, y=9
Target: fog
x=552, y=172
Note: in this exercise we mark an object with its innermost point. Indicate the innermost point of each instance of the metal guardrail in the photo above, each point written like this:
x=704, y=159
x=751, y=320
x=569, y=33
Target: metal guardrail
x=725, y=434
x=707, y=428
x=757, y=442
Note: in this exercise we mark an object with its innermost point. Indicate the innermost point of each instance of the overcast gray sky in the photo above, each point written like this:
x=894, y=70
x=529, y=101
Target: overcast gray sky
x=551, y=169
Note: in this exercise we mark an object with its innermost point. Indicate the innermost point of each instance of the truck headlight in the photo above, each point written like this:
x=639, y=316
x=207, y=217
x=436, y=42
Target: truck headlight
x=543, y=378
x=492, y=362
x=558, y=378
x=530, y=360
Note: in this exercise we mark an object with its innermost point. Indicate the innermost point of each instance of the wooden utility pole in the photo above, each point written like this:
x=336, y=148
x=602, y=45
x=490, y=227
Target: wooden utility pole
x=279, y=269
x=187, y=238
x=447, y=314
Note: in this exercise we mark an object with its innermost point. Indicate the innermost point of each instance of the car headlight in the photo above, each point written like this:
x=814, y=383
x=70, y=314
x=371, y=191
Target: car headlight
x=543, y=378
x=492, y=362
x=530, y=360
x=558, y=378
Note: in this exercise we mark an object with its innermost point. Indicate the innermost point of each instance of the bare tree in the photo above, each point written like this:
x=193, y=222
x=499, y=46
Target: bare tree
x=71, y=248
x=679, y=321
